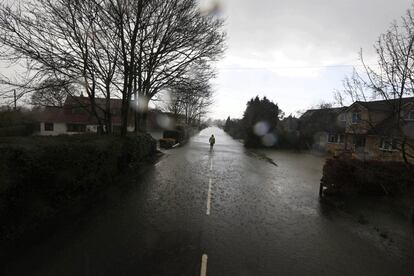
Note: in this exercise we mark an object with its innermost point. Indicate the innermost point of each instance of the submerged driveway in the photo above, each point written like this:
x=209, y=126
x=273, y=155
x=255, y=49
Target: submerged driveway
x=221, y=212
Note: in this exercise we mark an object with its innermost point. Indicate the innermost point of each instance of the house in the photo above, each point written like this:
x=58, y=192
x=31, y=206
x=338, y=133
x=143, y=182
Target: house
x=366, y=130
x=289, y=124
x=377, y=129
x=75, y=117
x=323, y=129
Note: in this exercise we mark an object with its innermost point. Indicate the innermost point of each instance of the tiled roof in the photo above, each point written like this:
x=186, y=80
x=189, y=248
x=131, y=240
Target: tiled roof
x=51, y=114
x=66, y=113
x=85, y=101
x=384, y=105
x=319, y=112
x=322, y=120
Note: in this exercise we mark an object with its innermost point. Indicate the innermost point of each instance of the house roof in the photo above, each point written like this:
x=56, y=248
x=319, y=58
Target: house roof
x=322, y=120
x=383, y=105
x=85, y=101
x=311, y=112
x=51, y=114
x=66, y=114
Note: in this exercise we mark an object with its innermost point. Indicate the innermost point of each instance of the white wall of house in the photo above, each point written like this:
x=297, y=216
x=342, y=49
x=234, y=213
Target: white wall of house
x=58, y=128
x=92, y=128
x=61, y=128
x=321, y=138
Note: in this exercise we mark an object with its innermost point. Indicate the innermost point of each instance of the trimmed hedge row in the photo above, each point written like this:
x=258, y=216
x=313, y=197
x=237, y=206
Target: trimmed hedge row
x=20, y=130
x=41, y=177
x=349, y=176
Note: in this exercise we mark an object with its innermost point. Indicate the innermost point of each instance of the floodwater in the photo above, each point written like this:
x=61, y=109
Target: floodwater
x=250, y=212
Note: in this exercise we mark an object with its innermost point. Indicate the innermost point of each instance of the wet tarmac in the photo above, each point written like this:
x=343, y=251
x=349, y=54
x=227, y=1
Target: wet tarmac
x=248, y=213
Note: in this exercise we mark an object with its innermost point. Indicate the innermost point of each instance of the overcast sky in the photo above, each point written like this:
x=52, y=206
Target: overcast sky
x=292, y=51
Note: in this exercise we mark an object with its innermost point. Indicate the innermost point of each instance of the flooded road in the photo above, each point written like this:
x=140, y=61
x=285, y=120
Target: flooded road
x=228, y=211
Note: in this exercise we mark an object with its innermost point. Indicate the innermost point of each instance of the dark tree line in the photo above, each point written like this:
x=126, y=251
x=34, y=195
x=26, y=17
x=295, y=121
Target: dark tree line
x=132, y=50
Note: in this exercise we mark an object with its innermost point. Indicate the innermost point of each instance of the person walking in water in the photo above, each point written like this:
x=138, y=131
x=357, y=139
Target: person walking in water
x=212, y=140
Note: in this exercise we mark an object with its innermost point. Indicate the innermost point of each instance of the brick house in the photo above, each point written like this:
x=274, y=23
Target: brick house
x=373, y=132
x=365, y=130
x=74, y=117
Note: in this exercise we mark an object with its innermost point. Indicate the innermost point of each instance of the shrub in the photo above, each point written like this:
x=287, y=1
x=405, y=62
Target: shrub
x=44, y=176
x=180, y=134
x=167, y=143
x=349, y=176
x=21, y=130
x=16, y=123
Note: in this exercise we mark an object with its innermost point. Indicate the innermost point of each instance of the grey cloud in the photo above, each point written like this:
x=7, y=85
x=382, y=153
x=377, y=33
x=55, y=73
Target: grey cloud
x=329, y=29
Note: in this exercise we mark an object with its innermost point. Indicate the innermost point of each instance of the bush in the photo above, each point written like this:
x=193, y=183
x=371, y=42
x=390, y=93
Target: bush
x=349, y=176
x=287, y=140
x=180, y=134
x=17, y=123
x=22, y=130
x=167, y=143
x=42, y=177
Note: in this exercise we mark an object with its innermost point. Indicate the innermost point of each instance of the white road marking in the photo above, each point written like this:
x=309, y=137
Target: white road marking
x=211, y=165
x=203, y=271
x=208, y=197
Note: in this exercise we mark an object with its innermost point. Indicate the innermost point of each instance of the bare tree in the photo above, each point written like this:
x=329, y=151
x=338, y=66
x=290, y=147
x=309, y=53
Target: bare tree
x=59, y=39
x=177, y=38
x=52, y=92
x=113, y=48
x=192, y=95
x=391, y=79
x=354, y=88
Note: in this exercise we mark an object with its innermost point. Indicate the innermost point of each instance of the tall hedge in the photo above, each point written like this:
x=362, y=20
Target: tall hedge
x=349, y=176
x=41, y=177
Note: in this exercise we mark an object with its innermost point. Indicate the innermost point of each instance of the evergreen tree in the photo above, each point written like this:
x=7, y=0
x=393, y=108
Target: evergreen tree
x=259, y=122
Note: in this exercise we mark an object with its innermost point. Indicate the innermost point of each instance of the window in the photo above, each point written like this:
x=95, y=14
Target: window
x=336, y=138
x=356, y=117
x=48, y=126
x=388, y=144
x=332, y=138
x=76, y=128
